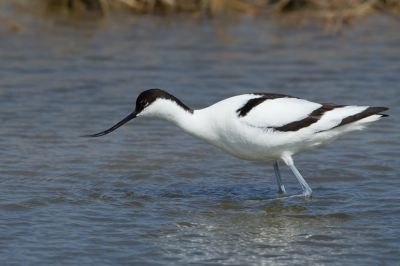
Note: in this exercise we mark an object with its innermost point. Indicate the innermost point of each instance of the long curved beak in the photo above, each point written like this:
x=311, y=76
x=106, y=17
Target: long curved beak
x=123, y=121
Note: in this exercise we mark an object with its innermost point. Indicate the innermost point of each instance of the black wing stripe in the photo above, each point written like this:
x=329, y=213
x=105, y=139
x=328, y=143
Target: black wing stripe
x=256, y=101
x=250, y=105
x=312, y=118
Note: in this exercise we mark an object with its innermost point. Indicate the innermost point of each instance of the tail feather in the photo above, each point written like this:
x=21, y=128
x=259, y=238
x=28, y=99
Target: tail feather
x=366, y=113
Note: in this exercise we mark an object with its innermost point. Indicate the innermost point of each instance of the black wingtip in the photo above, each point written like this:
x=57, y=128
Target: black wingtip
x=381, y=109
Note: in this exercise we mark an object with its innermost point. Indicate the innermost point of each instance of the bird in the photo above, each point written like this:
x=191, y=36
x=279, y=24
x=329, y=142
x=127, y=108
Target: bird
x=258, y=126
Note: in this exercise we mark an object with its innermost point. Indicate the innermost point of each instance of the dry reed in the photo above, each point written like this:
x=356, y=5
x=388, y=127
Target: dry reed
x=334, y=12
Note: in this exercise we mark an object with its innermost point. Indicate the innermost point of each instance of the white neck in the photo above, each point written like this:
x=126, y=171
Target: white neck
x=193, y=123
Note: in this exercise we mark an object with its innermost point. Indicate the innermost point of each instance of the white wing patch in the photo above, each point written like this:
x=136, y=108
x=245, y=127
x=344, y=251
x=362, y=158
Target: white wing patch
x=279, y=112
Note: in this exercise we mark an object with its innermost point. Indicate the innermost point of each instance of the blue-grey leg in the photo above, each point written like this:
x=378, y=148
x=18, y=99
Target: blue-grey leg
x=306, y=189
x=278, y=178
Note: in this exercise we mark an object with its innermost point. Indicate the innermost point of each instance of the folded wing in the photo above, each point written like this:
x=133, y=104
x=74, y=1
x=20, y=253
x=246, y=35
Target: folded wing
x=288, y=114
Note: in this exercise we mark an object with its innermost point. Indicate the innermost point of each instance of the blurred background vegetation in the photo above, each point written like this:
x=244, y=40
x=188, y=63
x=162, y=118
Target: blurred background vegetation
x=334, y=13
x=319, y=8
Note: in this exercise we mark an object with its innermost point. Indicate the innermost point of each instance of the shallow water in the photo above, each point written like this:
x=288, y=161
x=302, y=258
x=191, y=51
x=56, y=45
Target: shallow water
x=148, y=194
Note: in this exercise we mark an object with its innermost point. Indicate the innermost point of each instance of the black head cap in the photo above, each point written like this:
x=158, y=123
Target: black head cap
x=148, y=97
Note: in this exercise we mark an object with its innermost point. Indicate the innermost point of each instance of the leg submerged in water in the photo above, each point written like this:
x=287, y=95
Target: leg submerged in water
x=278, y=178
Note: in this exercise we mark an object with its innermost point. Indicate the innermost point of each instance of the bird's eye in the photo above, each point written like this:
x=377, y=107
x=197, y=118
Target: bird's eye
x=143, y=103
